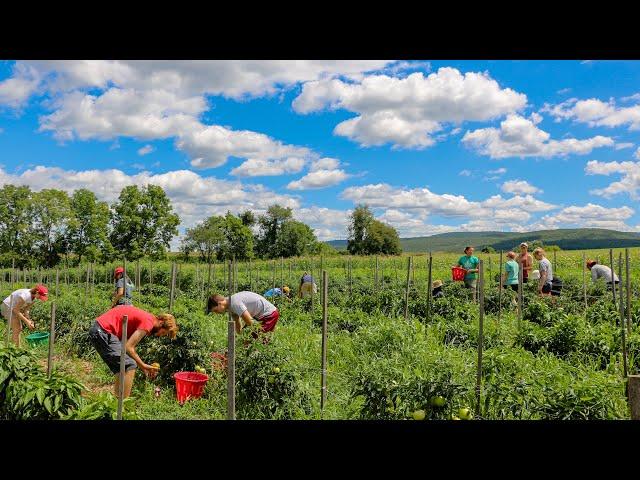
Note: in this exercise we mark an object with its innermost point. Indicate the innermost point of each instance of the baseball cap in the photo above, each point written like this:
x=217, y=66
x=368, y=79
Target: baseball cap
x=42, y=290
x=118, y=270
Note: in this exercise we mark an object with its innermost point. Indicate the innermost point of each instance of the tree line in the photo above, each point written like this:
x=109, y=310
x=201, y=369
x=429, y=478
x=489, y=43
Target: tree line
x=43, y=228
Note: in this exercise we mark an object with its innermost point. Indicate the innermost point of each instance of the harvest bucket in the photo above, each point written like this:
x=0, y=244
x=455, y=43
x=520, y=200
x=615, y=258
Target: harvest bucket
x=458, y=273
x=189, y=385
x=38, y=338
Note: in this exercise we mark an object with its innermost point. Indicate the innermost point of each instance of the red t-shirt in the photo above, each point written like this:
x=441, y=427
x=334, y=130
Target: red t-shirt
x=138, y=319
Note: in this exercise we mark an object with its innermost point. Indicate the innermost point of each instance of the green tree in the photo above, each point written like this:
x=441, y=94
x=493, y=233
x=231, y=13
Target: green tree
x=52, y=214
x=381, y=238
x=248, y=218
x=15, y=222
x=270, y=224
x=360, y=220
x=205, y=238
x=143, y=222
x=238, y=239
x=88, y=233
x=294, y=238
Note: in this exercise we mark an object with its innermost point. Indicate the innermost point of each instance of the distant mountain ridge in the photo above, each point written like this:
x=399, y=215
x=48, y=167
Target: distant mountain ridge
x=565, y=238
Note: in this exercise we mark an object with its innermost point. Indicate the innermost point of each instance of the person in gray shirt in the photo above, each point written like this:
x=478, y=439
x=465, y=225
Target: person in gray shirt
x=123, y=289
x=601, y=271
x=246, y=307
x=546, y=272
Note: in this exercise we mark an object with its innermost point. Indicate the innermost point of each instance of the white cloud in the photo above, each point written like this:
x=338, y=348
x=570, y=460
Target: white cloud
x=328, y=224
x=406, y=112
x=596, y=113
x=403, y=66
x=631, y=98
x=146, y=150
x=499, y=171
x=318, y=179
x=519, y=187
x=465, y=173
x=563, y=91
x=520, y=137
x=262, y=167
x=325, y=164
x=194, y=197
x=590, y=215
x=622, y=146
x=629, y=183
x=637, y=154
x=16, y=90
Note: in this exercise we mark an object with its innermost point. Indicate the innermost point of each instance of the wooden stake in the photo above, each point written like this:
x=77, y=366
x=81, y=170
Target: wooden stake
x=584, y=280
x=520, y=276
x=231, y=360
x=430, y=289
x=52, y=336
x=480, y=337
x=500, y=286
x=621, y=324
x=125, y=319
x=613, y=284
x=406, y=295
x=628, y=282
x=323, y=398
x=634, y=396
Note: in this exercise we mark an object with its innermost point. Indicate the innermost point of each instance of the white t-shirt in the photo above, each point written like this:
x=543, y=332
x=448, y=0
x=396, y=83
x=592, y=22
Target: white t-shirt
x=602, y=271
x=257, y=305
x=23, y=293
x=545, y=266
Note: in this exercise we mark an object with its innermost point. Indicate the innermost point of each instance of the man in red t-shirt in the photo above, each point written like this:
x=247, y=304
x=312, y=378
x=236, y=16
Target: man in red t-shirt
x=106, y=337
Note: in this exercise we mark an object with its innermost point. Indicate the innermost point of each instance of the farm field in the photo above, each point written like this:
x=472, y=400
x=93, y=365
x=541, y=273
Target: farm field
x=562, y=360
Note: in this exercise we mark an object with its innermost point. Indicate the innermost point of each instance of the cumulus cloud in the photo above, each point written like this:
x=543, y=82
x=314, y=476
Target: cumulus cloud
x=264, y=167
x=318, y=179
x=520, y=137
x=194, y=197
x=637, y=154
x=150, y=100
x=465, y=173
x=146, y=150
x=596, y=113
x=406, y=112
x=629, y=182
x=519, y=187
x=327, y=223
x=622, y=146
x=590, y=215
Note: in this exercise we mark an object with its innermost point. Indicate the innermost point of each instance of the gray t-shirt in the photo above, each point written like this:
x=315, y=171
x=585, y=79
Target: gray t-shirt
x=602, y=271
x=545, y=266
x=255, y=304
x=127, y=298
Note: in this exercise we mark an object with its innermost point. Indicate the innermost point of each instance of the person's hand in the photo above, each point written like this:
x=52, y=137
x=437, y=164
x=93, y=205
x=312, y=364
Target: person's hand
x=30, y=324
x=150, y=371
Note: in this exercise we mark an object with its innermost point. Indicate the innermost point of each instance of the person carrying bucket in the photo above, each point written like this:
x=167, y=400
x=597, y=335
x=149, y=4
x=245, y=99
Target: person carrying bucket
x=17, y=306
x=470, y=263
x=246, y=308
x=123, y=288
x=106, y=336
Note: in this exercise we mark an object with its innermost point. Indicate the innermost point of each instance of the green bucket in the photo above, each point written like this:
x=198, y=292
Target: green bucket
x=39, y=338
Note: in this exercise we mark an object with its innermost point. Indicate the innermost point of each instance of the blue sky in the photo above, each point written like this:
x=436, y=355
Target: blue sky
x=432, y=146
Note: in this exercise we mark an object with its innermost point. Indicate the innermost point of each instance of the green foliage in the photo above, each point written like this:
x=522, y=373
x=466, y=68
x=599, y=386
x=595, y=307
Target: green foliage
x=360, y=219
x=104, y=406
x=143, y=222
x=88, y=230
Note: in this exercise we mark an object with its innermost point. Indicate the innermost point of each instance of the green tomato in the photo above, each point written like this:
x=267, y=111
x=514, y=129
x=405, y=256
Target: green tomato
x=438, y=401
x=272, y=379
x=276, y=370
x=419, y=415
x=465, y=414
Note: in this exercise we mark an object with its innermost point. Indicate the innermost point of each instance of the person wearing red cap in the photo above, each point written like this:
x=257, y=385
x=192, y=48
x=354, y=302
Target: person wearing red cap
x=16, y=307
x=123, y=288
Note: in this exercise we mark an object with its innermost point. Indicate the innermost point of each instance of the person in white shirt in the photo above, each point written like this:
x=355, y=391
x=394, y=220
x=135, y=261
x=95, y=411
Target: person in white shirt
x=546, y=272
x=601, y=271
x=16, y=307
x=248, y=307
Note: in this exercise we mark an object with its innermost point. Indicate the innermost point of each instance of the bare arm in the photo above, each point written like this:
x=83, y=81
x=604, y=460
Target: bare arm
x=131, y=351
x=542, y=281
x=17, y=312
x=118, y=295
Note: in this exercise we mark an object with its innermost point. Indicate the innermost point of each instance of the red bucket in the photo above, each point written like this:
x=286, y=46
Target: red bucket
x=458, y=273
x=189, y=385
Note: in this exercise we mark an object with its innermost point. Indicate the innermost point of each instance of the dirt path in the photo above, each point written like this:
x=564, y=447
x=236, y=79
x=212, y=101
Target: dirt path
x=80, y=369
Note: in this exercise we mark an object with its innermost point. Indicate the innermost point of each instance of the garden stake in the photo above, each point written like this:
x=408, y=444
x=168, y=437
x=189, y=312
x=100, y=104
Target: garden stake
x=123, y=352
x=634, y=396
x=430, y=290
x=406, y=296
x=621, y=289
x=323, y=397
x=613, y=284
x=480, y=338
x=52, y=335
x=628, y=282
x=520, y=276
x=584, y=280
x=231, y=363
x=624, y=336
x=500, y=287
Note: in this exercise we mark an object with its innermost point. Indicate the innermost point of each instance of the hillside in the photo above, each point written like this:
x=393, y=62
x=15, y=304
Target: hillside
x=567, y=239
